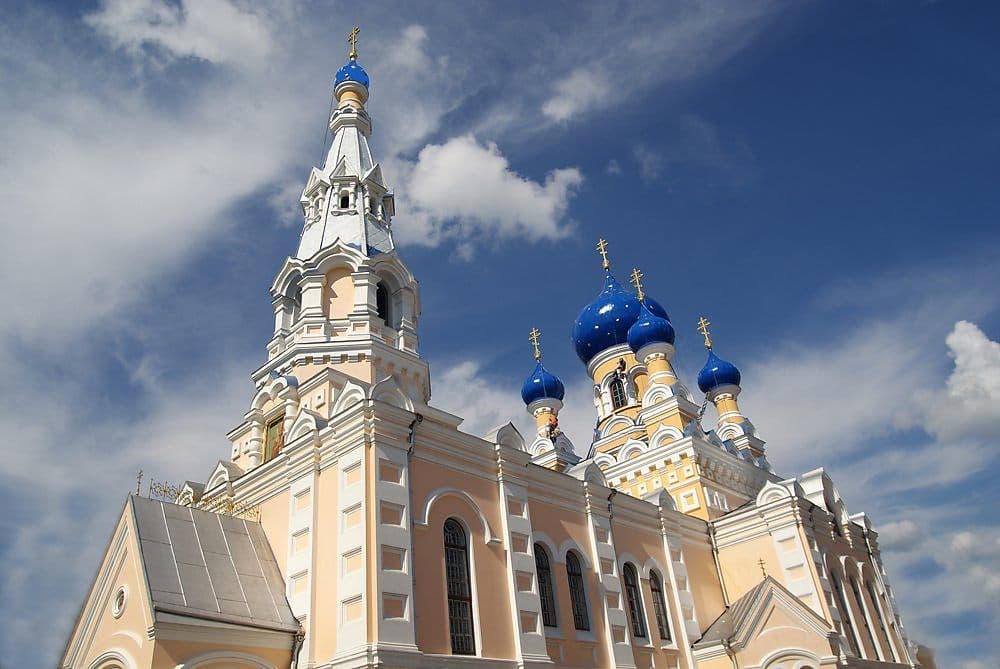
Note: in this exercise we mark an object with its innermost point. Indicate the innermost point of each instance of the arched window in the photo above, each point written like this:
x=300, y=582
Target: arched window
x=845, y=616
x=634, y=600
x=274, y=437
x=456, y=566
x=617, y=390
x=856, y=589
x=345, y=201
x=382, y=302
x=577, y=595
x=659, y=606
x=881, y=620
x=545, y=590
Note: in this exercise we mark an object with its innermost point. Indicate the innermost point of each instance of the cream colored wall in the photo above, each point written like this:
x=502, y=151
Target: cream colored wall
x=782, y=631
x=740, y=567
x=338, y=293
x=168, y=654
x=561, y=525
x=703, y=581
x=274, y=520
x=327, y=564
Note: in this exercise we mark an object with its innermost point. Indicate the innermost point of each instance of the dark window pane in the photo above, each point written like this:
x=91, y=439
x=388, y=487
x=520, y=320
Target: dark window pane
x=659, y=606
x=577, y=594
x=545, y=590
x=456, y=565
x=634, y=601
x=618, y=398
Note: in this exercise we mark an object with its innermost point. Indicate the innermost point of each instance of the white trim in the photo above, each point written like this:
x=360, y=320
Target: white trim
x=116, y=654
x=447, y=491
x=216, y=656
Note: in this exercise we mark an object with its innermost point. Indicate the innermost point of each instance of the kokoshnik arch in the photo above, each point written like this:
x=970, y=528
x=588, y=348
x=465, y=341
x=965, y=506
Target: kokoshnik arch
x=354, y=525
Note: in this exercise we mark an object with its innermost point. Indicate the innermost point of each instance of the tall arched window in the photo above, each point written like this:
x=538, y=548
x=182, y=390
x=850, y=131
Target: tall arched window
x=881, y=620
x=456, y=565
x=545, y=590
x=577, y=594
x=634, y=600
x=659, y=606
x=856, y=589
x=345, y=201
x=845, y=616
x=617, y=390
x=382, y=302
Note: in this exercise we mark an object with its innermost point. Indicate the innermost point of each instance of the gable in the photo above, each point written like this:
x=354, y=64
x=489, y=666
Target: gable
x=115, y=617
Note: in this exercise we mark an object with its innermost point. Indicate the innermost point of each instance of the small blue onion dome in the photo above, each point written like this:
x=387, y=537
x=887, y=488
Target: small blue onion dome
x=352, y=72
x=542, y=384
x=649, y=329
x=605, y=322
x=717, y=372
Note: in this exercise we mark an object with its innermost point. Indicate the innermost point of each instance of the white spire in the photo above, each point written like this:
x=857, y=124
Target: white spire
x=347, y=199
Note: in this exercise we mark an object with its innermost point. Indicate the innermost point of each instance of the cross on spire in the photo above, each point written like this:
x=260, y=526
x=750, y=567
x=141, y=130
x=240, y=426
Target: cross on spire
x=533, y=338
x=703, y=324
x=602, y=248
x=637, y=282
x=352, y=39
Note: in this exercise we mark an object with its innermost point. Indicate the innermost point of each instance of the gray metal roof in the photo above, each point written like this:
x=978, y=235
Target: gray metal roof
x=207, y=565
x=725, y=626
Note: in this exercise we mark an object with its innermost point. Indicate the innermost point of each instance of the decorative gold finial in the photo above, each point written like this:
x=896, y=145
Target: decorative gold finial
x=533, y=338
x=352, y=39
x=602, y=248
x=138, y=482
x=637, y=282
x=703, y=324
x=763, y=570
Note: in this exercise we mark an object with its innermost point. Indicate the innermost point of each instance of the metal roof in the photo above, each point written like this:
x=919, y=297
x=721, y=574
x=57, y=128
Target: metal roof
x=203, y=564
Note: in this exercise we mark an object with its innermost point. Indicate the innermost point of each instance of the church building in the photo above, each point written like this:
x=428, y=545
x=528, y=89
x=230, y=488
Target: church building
x=355, y=525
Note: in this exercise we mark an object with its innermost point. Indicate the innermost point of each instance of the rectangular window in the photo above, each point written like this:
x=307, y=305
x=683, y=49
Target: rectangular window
x=274, y=438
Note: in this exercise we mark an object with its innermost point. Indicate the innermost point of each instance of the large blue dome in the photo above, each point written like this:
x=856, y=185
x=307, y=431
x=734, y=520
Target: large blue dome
x=605, y=322
x=717, y=372
x=542, y=384
x=352, y=72
x=649, y=329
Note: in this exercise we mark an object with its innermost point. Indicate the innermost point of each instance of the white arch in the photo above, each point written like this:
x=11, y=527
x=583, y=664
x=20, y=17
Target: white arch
x=546, y=540
x=447, y=491
x=218, y=657
x=351, y=394
x=305, y=423
x=729, y=430
x=603, y=459
x=771, y=492
x=665, y=434
x=652, y=563
x=387, y=390
x=656, y=392
x=632, y=446
x=801, y=657
x=277, y=387
x=614, y=422
x=119, y=655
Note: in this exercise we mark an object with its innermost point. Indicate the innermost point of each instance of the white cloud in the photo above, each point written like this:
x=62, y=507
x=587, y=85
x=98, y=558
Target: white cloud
x=613, y=167
x=214, y=30
x=649, y=162
x=466, y=190
x=901, y=535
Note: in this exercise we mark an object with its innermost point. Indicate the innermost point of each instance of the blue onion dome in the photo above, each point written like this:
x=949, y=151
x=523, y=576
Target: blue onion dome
x=352, y=72
x=542, y=384
x=605, y=322
x=717, y=372
x=649, y=329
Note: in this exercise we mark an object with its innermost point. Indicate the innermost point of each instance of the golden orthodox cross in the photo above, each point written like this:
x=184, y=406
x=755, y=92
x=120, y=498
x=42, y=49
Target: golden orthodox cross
x=602, y=248
x=637, y=282
x=533, y=338
x=760, y=563
x=703, y=324
x=352, y=39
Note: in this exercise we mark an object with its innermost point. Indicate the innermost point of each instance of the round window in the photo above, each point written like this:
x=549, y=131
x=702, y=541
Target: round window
x=118, y=604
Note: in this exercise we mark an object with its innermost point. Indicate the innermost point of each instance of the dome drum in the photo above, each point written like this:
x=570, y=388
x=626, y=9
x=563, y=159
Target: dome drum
x=552, y=404
x=654, y=347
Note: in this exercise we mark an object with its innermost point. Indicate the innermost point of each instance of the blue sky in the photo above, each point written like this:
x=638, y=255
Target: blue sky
x=818, y=177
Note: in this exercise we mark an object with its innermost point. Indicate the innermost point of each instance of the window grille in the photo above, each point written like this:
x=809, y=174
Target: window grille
x=545, y=590
x=659, y=606
x=634, y=600
x=577, y=594
x=618, y=397
x=456, y=560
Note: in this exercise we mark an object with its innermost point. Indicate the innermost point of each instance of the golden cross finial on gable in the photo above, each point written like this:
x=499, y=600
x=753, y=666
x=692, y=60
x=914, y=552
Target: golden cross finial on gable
x=602, y=248
x=703, y=324
x=533, y=338
x=138, y=481
x=637, y=282
x=763, y=570
x=352, y=39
